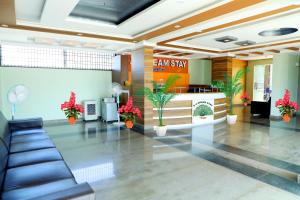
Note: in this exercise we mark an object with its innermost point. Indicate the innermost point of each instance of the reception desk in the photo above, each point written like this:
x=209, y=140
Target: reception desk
x=193, y=109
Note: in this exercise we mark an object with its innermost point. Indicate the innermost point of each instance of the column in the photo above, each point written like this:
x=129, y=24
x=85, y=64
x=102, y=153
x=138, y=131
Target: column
x=142, y=76
x=285, y=76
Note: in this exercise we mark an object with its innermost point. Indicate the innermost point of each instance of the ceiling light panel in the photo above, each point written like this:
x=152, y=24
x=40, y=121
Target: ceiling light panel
x=226, y=39
x=245, y=43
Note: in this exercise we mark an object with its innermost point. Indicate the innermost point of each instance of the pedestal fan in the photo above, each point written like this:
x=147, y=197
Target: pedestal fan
x=117, y=90
x=16, y=95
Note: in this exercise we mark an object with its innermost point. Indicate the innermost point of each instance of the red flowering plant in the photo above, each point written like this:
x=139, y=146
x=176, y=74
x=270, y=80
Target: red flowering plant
x=285, y=106
x=128, y=112
x=245, y=97
x=70, y=107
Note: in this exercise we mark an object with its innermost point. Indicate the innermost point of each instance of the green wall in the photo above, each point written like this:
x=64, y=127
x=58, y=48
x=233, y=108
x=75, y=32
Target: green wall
x=48, y=88
x=285, y=76
x=200, y=71
x=250, y=74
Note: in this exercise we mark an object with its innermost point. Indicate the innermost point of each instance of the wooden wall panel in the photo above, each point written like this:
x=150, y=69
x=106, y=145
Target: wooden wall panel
x=220, y=108
x=221, y=66
x=142, y=76
x=187, y=120
x=220, y=101
x=178, y=104
x=220, y=115
x=174, y=113
x=7, y=12
x=236, y=66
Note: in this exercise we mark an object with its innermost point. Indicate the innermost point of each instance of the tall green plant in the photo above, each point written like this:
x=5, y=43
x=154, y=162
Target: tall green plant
x=160, y=95
x=232, y=86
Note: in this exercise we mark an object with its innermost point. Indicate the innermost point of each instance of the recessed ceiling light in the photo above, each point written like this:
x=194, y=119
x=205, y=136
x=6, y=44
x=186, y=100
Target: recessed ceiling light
x=245, y=43
x=177, y=26
x=4, y=25
x=278, y=32
x=226, y=39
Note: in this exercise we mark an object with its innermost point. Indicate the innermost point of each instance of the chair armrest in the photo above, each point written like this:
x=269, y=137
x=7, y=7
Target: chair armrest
x=80, y=191
x=23, y=124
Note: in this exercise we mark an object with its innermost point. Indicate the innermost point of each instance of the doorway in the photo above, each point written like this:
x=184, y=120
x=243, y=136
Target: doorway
x=262, y=83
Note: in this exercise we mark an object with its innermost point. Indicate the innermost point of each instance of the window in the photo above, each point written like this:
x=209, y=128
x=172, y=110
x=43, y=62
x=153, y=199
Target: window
x=43, y=57
x=31, y=56
x=88, y=60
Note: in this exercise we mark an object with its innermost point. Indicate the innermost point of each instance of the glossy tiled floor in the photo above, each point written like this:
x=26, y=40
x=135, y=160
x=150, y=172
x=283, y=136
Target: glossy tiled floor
x=208, y=162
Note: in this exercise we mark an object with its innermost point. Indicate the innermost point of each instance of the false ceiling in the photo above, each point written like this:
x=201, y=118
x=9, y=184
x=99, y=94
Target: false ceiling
x=187, y=27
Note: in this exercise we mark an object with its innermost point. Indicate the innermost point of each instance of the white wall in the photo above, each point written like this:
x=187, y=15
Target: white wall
x=48, y=88
x=285, y=76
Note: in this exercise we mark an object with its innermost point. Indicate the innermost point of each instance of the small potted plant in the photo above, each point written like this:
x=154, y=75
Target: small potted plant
x=245, y=98
x=160, y=96
x=71, y=109
x=129, y=113
x=286, y=107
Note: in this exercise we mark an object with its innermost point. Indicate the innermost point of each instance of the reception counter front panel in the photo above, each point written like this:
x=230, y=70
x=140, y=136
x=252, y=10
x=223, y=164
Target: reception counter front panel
x=194, y=109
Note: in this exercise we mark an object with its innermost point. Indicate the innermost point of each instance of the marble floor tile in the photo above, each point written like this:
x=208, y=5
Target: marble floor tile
x=126, y=165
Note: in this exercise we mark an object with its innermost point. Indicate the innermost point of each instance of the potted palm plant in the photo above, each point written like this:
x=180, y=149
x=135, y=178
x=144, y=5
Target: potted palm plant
x=160, y=96
x=231, y=87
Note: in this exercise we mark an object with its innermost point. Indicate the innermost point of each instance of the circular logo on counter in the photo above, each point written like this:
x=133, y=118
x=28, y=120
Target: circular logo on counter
x=202, y=111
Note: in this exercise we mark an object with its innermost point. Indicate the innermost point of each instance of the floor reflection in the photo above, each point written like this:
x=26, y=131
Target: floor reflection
x=120, y=163
x=94, y=173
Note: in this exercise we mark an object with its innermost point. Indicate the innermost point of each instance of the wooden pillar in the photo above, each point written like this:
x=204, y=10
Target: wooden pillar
x=142, y=76
x=223, y=65
x=220, y=67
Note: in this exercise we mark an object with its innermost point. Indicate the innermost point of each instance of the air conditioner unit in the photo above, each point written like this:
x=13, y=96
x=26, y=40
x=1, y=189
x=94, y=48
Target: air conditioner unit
x=90, y=110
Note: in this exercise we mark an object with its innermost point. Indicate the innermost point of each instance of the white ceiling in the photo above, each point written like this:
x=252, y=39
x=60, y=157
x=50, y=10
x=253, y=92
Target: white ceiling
x=159, y=14
x=29, y=37
x=249, y=32
x=55, y=14
x=29, y=10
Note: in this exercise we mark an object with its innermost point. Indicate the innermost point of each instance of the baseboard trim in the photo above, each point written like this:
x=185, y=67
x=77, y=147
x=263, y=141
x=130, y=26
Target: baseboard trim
x=275, y=118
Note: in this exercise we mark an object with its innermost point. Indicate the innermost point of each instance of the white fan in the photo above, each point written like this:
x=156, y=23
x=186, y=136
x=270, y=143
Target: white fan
x=16, y=95
x=117, y=90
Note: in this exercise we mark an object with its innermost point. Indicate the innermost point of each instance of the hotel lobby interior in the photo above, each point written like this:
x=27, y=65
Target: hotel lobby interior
x=150, y=99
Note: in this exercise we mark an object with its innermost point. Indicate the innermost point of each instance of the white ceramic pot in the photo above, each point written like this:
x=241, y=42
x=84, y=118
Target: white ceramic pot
x=231, y=119
x=161, y=130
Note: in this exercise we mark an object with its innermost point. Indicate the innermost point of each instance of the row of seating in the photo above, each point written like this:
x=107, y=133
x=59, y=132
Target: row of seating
x=31, y=166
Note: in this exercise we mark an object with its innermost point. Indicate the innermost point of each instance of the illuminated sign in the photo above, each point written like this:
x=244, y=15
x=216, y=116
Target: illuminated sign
x=171, y=65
